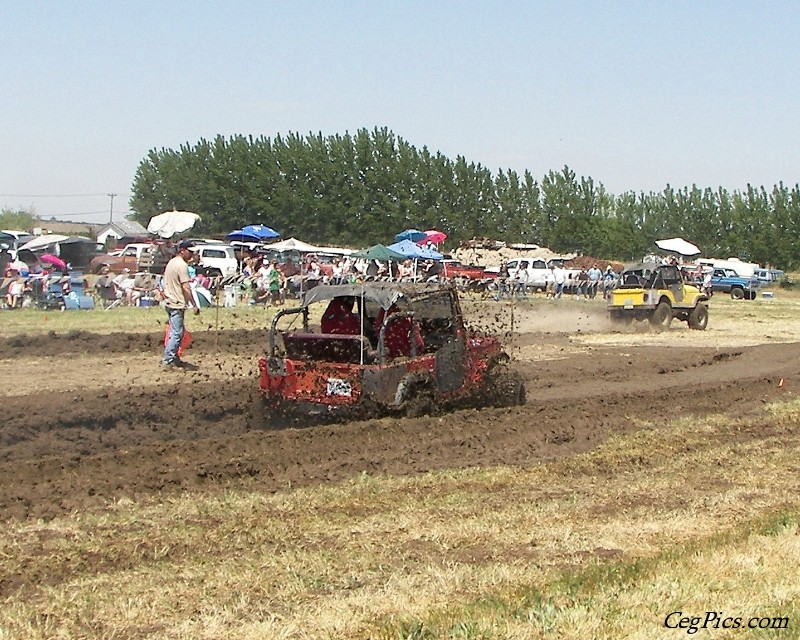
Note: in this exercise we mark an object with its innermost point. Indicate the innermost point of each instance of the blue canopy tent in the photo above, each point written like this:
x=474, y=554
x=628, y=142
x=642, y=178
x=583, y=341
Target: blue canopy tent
x=410, y=249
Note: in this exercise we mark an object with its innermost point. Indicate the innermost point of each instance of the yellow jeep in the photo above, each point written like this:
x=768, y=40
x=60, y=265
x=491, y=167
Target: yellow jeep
x=657, y=293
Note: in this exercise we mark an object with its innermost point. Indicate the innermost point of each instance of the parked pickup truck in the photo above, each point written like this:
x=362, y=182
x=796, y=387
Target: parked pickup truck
x=728, y=281
x=137, y=256
x=467, y=277
x=537, y=268
x=456, y=269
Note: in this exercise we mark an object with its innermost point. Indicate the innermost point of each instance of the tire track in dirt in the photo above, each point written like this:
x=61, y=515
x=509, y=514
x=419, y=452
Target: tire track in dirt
x=65, y=451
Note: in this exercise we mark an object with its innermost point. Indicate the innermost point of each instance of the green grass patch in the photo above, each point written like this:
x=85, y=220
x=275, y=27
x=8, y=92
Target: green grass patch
x=129, y=320
x=590, y=598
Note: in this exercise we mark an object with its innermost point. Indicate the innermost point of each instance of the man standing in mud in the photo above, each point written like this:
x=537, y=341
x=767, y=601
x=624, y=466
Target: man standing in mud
x=178, y=298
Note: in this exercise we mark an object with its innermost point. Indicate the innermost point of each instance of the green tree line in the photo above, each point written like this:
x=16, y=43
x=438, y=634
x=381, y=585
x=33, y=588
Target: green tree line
x=362, y=188
x=18, y=219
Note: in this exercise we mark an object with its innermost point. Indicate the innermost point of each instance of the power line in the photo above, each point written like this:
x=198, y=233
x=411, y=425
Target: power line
x=63, y=195
x=68, y=215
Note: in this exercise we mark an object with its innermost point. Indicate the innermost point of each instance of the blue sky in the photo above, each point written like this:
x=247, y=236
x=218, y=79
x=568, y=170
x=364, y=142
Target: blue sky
x=635, y=95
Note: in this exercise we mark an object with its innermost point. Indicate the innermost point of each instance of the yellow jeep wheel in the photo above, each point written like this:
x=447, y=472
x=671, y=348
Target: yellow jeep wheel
x=662, y=316
x=698, y=318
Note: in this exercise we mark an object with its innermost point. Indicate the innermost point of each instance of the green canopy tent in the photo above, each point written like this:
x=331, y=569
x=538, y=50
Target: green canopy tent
x=378, y=252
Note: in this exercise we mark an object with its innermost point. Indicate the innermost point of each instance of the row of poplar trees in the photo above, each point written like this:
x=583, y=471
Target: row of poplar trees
x=360, y=189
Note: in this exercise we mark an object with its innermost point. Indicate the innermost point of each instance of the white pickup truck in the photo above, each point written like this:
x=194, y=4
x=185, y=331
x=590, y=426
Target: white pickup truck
x=537, y=268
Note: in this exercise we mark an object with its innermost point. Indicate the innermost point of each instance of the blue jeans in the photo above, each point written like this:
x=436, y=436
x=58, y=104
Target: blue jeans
x=502, y=289
x=176, y=327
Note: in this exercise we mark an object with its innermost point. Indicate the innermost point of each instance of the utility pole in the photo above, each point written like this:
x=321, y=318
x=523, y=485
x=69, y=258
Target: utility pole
x=111, y=212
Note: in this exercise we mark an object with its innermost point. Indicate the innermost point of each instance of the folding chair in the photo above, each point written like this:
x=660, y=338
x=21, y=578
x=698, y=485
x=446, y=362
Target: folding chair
x=107, y=292
x=76, y=297
x=48, y=293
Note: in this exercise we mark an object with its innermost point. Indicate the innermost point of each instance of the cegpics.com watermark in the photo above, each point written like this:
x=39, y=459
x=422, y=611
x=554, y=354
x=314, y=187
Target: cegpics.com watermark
x=719, y=620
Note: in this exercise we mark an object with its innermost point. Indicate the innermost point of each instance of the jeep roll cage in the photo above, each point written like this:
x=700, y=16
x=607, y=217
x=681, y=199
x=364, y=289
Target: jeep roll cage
x=384, y=295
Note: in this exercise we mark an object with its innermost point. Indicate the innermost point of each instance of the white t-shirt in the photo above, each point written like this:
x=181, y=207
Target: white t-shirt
x=124, y=281
x=263, y=276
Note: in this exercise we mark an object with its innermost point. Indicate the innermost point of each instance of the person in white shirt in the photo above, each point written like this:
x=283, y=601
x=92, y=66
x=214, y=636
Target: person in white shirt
x=520, y=280
x=549, y=283
x=262, y=275
x=709, y=275
x=126, y=287
x=338, y=272
x=609, y=278
x=405, y=270
x=560, y=278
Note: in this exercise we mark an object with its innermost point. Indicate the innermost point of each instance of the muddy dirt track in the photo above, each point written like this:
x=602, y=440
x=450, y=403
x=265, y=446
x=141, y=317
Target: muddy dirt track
x=90, y=419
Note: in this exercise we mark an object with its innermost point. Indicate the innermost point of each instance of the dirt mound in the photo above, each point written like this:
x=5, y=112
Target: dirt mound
x=587, y=262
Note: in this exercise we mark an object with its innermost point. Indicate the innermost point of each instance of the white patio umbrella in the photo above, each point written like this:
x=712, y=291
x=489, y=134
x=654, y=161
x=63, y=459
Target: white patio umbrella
x=39, y=242
x=678, y=245
x=169, y=223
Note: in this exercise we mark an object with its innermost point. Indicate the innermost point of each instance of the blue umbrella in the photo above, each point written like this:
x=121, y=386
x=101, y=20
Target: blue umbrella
x=410, y=234
x=253, y=233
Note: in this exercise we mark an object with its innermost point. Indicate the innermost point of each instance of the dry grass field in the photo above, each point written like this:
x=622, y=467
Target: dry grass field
x=650, y=488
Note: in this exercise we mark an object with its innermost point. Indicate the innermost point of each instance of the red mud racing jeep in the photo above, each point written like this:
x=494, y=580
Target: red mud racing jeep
x=382, y=348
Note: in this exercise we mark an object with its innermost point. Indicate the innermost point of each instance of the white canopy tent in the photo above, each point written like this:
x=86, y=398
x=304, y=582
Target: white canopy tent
x=293, y=244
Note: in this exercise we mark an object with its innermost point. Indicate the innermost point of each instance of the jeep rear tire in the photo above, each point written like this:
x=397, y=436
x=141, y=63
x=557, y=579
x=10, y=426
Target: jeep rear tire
x=416, y=396
x=698, y=318
x=421, y=402
x=503, y=387
x=662, y=316
x=737, y=293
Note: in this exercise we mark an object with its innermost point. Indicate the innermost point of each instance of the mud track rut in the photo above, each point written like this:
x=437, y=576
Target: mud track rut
x=113, y=426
